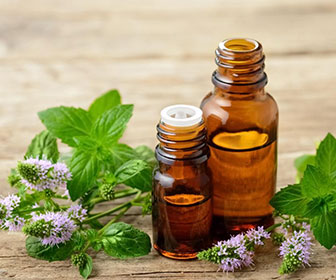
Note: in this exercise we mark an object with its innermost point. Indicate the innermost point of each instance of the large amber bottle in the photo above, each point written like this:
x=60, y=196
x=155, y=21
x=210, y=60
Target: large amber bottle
x=242, y=123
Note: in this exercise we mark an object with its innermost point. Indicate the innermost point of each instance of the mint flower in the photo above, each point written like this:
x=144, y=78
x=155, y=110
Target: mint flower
x=43, y=174
x=296, y=250
x=14, y=224
x=107, y=191
x=236, y=252
x=7, y=220
x=77, y=212
x=51, y=228
x=8, y=204
x=257, y=236
x=78, y=259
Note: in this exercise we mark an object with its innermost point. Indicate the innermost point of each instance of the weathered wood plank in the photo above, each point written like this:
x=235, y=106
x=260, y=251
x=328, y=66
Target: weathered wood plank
x=184, y=29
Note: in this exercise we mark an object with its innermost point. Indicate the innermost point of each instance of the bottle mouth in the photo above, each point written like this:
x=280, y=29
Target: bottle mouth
x=239, y=45
x=181, y=115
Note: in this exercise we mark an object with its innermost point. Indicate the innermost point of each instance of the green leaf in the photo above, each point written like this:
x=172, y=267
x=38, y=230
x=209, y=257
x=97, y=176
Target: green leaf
x=147, y=154
x=136, y=174
x=315, y=183
x=331, y=202
x=314, y=207
x=86, y=270
x=43, y=144
x=326, y=155
x=56, y=253
x=103, y=103
x=67, y=123
x=95, y=239
x=118, y=155
x=84, y=167
x=86, y=143
x=122, y=241
x=110, y=126
x=324, y=229
x=78, y=241
x=301, y=163
x=290, y=201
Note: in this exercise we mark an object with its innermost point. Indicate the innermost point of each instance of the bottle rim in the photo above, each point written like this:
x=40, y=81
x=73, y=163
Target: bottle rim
x=181, y=115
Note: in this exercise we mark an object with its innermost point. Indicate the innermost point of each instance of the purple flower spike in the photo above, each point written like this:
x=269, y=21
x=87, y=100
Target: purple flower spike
x=56, y=227
x=257, y=235
x=77, y=212
x=15, y=224
x=43, y=174
x=298, y=246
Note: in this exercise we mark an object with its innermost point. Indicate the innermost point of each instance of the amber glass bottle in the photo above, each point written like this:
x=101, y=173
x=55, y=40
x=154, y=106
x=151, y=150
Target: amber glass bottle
x=242, y=123
x=182, y=208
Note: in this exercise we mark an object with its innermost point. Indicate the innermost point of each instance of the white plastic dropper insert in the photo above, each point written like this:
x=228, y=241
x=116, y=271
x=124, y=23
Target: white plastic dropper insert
x=181, y=115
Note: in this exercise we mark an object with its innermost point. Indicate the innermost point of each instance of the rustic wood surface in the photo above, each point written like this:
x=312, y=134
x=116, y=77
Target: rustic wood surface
x=158, y=53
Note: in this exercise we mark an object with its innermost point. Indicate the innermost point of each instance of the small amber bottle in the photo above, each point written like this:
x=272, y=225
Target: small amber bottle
x=242, y=123
x=182, y=209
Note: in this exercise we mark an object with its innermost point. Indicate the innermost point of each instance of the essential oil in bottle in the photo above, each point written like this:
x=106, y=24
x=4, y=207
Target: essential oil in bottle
x=182, y=203
x=242, y=123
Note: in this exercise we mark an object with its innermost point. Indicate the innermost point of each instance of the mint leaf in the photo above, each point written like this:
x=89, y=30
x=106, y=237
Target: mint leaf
x=122, y=241
x=331, y=202
x=104, y=103
x=118, y=155
x=84, y=167
x=110, y=126
x=301, y=163
x=135, y=173
x=43, y=144
x=56, y=253
x=147, y=154
x=314, y=207
x=66, y=123
x=324, y=229
x=290, y=201
x=315, y=183
x=86, y=143
x=86, y=270
x=78, y=240
x=326, y=155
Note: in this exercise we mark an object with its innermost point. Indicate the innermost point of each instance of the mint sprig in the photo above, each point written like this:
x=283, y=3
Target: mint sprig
x=101, y=169
x=314, y=196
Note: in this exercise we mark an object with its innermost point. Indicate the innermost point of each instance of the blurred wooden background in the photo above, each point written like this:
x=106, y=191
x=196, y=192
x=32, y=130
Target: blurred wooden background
x=159, y=53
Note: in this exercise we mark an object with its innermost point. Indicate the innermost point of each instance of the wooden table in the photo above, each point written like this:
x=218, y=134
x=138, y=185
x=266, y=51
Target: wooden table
x=158, y=53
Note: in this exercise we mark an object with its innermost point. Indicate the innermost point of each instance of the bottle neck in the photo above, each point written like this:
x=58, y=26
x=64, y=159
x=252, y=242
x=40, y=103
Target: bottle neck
x=240, y=66
x=181, y=143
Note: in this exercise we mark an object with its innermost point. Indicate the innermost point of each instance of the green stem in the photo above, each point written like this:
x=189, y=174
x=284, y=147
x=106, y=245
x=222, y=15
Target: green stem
x=117, y=195
x=31, y=210
x=116, y=218
x=269, y=229
x=105, y=213
x=39, y=209
x=60, y=197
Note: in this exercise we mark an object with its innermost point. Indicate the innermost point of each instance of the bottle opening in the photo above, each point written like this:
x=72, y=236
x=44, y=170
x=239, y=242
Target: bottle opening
x=239, y=45
x=181, y=115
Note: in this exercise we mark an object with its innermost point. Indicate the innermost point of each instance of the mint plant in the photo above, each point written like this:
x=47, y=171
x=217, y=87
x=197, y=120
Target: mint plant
x=57, y=193
x=310, y=204
x=313, y=198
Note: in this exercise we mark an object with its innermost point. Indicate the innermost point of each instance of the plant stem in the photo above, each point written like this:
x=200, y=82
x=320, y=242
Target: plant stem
x=269, y=229
x=105, y=213
x=117, y=195
x=39, y=209
x=60, y=197
x=116, y=218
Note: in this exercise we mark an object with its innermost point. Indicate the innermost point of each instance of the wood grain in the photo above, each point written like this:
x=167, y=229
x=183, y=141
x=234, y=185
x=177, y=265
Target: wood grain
x=159, y=53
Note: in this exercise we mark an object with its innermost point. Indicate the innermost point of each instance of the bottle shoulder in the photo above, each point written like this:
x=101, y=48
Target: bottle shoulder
x=234, y=112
